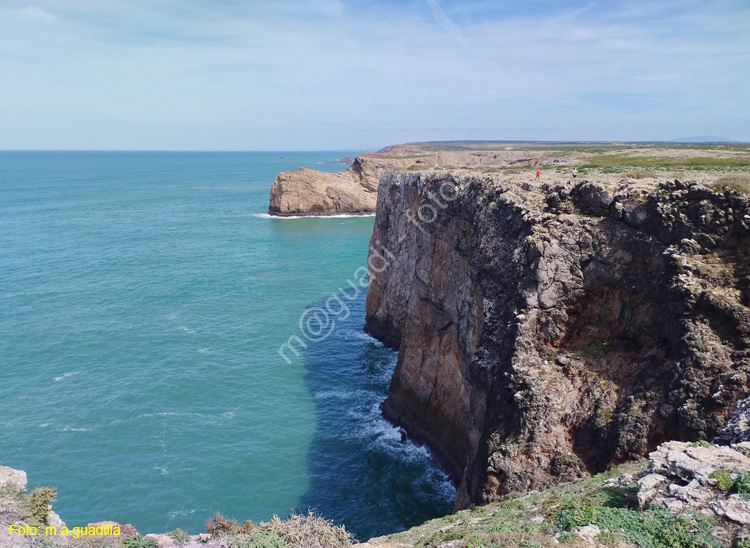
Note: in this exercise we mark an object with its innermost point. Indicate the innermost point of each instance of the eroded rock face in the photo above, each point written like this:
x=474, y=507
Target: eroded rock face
x=311, y=192
x=11, y=479
x=737, y=428
x=545, y=333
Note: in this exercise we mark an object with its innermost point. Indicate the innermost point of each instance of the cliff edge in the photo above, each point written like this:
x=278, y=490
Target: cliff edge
x=550, y=331
x=309, y=192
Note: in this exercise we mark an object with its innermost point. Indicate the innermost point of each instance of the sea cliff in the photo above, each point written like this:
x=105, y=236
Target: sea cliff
x=309, y=192
x=548, y=331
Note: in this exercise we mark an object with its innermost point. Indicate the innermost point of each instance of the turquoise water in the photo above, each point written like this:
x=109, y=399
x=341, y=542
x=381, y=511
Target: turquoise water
x=143, y=297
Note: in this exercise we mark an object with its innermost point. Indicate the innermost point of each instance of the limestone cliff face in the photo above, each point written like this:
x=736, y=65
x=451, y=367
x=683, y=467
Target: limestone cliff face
x=545, y=333
x=311, y=192
x=354, y=191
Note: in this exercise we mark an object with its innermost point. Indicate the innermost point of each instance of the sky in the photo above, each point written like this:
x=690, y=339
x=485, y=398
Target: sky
x=357, y=75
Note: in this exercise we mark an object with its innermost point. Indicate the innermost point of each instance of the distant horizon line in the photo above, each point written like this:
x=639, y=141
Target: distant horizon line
x=679, y=141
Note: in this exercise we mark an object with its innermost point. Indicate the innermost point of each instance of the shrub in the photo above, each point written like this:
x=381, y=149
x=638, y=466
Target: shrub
x=723, y=479
x=140, y=542
x=218, y=525
x=607, y=538
x=301, y=531
x=180, y=537
x=39, y=501
x=573, y=516
x=263, y=539
x=742, y=485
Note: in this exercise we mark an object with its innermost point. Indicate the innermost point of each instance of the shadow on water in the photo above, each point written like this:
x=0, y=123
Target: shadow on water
x=361, y=473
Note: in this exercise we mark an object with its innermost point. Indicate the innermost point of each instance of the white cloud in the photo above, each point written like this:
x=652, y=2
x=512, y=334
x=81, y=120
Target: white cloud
x=32, y=13
x=283, y=73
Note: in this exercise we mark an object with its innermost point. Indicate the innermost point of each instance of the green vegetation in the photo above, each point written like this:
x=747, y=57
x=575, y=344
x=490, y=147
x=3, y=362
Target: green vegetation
x=260, y=539
x=549, y=518
x=694, y=162
x=180, y=537
x=38, y=502
x=653, y=528
x=140, y=542
x=723, y=479
x=607, y=538
x=529, y=521
x=742, y=485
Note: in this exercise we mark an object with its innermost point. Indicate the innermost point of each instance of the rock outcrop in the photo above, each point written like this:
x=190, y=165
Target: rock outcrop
x=311, y=192
x=546, y=332
x=699, y=479
x=737, y=429
x=12, y=480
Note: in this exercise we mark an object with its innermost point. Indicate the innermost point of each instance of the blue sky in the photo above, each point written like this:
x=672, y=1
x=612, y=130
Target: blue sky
x=339, y=74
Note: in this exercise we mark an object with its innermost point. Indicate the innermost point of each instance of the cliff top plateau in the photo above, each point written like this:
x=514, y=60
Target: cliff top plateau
x=354, y=191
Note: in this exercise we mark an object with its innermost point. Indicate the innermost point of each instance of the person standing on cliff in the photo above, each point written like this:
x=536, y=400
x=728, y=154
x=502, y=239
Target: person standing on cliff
x=538, y=173
x=575, y=173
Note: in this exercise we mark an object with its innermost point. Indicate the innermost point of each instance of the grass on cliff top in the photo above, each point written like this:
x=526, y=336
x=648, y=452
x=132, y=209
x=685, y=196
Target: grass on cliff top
x=546, y=519
x=694, y=162
x=739, y=182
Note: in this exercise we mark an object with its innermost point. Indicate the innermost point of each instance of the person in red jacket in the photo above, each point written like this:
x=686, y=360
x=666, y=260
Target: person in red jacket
x=538, y=173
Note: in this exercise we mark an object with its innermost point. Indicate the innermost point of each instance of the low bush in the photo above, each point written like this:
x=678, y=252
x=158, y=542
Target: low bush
x=39, y=501
x=180, y=537
x=723, y=479
x=742, y=485
x=140, y=542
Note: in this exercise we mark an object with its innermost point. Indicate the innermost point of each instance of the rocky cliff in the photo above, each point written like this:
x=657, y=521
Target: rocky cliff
x=311, y=192
x=548, y=331
x=354, y=191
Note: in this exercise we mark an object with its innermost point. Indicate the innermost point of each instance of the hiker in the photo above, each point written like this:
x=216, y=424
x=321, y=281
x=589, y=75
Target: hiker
x=538, y=173
x=575, y=173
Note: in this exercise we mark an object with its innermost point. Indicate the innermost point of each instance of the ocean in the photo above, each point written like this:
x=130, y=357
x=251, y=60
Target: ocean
x=143, y=300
